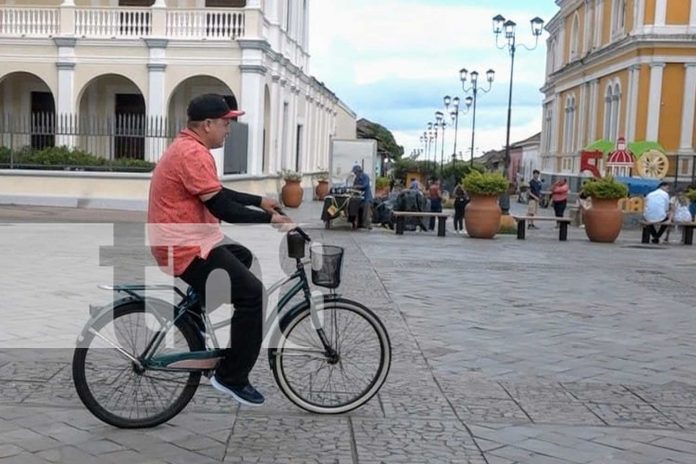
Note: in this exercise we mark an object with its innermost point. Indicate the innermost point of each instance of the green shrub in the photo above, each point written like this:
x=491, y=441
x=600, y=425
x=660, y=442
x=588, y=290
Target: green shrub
x=64, y=156
x=381, y=182
x=488, y=183
x=132, y=163
x=5, y=155
x=605, y=188
x=691, y=195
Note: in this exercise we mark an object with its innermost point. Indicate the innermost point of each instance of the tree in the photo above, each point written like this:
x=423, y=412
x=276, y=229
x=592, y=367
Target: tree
x=385, y=140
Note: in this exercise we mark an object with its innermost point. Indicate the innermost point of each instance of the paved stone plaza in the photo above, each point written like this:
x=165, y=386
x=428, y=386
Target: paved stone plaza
x=505, y=351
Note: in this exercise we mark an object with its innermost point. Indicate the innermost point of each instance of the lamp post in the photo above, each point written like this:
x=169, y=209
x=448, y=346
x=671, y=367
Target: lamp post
x=441, y=123
x=500, y=24
x=432, y=127
x=454, y=113
x=474, y=89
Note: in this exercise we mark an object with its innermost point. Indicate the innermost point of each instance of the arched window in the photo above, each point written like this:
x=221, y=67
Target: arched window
x=612, y=104
x=575, y=37
x=548, y=123
x=618, y=16
x=569, y=126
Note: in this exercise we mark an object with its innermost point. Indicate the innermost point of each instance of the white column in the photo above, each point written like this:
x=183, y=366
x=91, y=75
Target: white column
x=599, y=16
x=292, y=128
x=660, y=12
x=282, y=149
x=639, y=9
x=156, y=101
x=66, y=110
x=593, y=110
x=688, y=108
x=655, y=100
x=253, y=80
x=582, y=118
x=632, y=102
x=273, y=164
x=692, y=14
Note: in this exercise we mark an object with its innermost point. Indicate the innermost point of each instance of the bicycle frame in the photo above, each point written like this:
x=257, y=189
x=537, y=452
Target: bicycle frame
x=212, y=353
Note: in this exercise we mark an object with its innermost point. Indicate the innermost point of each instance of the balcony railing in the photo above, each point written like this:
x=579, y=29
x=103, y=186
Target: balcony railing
x=29, y=22
x=200, y=24
x=112, y=22
x=120, y=22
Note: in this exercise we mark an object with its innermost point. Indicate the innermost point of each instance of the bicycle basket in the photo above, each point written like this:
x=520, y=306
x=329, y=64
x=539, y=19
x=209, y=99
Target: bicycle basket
x=326, y=265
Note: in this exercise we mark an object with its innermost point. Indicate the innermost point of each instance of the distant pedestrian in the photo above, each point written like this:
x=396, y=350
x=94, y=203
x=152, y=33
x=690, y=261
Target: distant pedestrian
x=435, y=195
x=534, y=195
x=461, y=199
x=559, y=197
x=362, y=183
x=657, y=210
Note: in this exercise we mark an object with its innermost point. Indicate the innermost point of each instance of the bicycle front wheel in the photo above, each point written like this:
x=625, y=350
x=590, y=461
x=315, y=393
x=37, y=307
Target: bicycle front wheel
x=118, y=391
x=324, y=384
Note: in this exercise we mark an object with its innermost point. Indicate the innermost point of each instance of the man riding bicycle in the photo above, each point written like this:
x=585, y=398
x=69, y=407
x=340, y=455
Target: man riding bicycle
x=186, y=204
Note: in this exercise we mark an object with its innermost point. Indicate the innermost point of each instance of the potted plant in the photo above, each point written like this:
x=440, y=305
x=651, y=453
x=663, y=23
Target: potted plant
x=291, y=194
x=382, y=186
x=482, y=214
x=604, y=219
x=322, y=188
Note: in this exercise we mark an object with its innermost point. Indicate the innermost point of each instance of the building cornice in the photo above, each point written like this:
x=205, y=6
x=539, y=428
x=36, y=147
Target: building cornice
x=254, y=44
x=156, y=43
x=626, y=45
x=156, y=67
x=253, y=68
x=65, y=41
x=65, y=66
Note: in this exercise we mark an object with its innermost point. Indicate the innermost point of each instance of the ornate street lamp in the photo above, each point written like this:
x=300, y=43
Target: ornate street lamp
x=501, y=25
x=474, y=89
x=454, y=114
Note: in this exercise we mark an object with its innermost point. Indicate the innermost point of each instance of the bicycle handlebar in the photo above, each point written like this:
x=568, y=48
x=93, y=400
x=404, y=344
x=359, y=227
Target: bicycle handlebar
x=299, y=230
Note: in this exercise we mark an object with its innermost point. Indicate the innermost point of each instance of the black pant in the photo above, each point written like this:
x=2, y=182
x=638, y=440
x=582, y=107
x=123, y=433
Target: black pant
x=655, y=233
x=559, y=207
x=245, y=292
x=435, y=207
x=459, y=208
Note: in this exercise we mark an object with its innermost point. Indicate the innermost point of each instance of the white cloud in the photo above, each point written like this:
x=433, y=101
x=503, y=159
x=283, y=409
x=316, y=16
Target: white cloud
x=357, y=43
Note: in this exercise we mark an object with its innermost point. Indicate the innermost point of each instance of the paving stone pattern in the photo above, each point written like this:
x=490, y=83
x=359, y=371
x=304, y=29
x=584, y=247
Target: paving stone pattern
x=504, y=352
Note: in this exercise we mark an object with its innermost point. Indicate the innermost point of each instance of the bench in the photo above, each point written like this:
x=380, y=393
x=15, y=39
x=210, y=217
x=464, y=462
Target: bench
x=522, y=225
x=402, y=215
x=687, y=230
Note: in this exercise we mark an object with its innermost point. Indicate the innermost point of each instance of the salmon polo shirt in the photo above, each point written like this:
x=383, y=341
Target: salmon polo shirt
x=180, y=227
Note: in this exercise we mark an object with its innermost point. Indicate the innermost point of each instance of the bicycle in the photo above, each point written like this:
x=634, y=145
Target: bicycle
x=139, y=360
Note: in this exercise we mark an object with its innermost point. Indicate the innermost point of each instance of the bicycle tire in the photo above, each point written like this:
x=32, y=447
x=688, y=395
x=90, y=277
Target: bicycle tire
x=294, y=387
x=99, y=405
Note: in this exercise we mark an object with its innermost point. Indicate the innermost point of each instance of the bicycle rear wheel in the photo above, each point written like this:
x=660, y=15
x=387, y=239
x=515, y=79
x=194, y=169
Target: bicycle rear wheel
x=114, y=388
x=320, y=384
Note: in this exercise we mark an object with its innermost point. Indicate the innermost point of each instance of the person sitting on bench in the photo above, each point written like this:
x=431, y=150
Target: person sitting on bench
x=657, y=210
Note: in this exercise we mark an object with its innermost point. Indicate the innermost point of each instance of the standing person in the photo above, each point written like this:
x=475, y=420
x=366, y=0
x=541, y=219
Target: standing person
x=679, y=207
x=362, y=183
x=461, y=199
x=534, y=197
x=559, y=196
x=582, y=202
x=657, y=210
x=435, y=195
x=185, y=206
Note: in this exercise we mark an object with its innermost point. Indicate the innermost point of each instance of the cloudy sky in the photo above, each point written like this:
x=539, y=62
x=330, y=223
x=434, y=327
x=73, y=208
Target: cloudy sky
x=392, y=61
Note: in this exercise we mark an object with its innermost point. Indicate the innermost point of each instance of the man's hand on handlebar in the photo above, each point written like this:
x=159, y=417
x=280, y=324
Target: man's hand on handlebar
x=281, y=221
x=270, y=205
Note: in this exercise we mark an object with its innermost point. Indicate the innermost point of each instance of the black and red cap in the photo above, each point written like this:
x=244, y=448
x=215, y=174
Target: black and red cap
x=210, y=106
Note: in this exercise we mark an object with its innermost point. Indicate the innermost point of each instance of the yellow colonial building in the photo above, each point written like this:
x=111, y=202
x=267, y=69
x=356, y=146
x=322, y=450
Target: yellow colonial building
x=620, y=68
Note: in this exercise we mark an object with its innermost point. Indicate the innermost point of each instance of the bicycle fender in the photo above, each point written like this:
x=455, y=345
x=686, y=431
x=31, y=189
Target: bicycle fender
x=156, y=305
x=280, y=327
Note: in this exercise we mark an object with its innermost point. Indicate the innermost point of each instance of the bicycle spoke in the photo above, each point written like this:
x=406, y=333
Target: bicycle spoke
x=316, y=380
x=116, y=383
